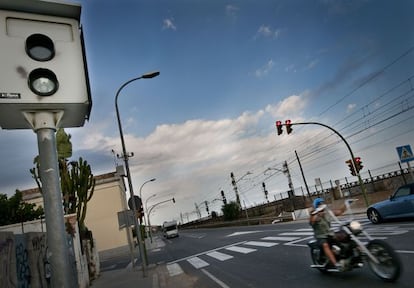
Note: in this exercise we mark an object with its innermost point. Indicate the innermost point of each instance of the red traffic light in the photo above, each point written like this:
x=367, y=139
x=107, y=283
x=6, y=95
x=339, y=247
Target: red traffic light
x=288, y=126
x=351, y=167
x=279, y=127
x=358, y=163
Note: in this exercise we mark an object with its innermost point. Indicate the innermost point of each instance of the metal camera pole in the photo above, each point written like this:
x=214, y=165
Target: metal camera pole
x=44, y=124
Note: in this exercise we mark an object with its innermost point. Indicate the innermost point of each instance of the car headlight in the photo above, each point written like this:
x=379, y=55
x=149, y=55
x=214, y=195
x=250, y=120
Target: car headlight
x=356, y=227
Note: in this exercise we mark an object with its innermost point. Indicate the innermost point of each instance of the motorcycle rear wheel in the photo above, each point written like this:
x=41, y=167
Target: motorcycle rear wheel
x=318, y=259
x=389, y=266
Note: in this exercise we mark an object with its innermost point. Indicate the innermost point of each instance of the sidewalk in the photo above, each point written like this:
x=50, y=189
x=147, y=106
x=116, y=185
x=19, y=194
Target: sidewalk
x=157, y=275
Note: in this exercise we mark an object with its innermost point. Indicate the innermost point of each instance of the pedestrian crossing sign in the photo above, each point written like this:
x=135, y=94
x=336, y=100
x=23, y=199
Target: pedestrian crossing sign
x=405, y=153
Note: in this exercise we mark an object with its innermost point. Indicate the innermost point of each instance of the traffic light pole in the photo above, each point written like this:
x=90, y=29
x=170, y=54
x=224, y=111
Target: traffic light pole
x=361, y=183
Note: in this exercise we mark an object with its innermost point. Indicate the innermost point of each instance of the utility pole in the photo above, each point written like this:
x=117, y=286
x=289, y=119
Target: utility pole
x=291, y=193
x=303, y=175
x=265, y=192
x=197, y=210
x=233, y=182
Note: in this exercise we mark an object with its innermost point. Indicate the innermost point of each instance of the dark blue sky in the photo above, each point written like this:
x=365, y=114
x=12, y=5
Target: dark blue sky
x=229, y=70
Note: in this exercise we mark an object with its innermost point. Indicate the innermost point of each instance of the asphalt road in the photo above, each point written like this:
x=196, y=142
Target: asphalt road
x=272, y=256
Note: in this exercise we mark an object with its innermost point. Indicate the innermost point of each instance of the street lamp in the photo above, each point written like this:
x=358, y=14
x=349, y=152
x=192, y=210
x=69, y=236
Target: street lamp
x=146, y=203
x=140, y=193
x=125, y=156
x=247, y=173
x=152, y=207
x=146, y=214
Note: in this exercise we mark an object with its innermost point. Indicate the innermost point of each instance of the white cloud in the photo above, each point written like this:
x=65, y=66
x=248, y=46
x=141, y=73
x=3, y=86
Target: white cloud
x=192, y=160
x=267, y=32
x=231, y=10
x=265, y=69
x=350, y=107
x=288, y=107
x=168, y=23
x=312, y=64
x=291, y=68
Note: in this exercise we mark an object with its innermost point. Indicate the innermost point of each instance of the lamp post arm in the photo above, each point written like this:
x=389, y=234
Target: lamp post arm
x=153, y=206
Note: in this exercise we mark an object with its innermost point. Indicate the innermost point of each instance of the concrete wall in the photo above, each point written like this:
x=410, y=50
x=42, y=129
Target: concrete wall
x=23, y=260
x=23, y=255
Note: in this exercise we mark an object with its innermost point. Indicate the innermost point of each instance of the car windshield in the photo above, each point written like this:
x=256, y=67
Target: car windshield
x=403, y=191
x=169, y=228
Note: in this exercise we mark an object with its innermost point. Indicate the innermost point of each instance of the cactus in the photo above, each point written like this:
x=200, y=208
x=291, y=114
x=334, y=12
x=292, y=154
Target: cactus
x=83, y=182
x=76, y=179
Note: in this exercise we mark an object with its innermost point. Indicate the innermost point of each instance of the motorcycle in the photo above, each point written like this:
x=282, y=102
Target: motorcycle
x=351, y=252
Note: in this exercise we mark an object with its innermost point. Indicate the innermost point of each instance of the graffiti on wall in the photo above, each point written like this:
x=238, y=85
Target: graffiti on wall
x=7, y=261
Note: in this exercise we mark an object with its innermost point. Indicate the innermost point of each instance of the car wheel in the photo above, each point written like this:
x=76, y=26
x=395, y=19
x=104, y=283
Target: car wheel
x=374, y=216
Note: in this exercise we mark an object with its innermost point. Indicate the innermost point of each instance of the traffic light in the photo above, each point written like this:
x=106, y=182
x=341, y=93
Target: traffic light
x=358, y=163
x=279, y=127
x=288, y=126
x=351, y=167
x=43, y=65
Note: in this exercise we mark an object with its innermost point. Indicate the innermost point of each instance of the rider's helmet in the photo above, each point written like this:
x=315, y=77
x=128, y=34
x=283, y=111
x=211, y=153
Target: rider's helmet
x=317, y=202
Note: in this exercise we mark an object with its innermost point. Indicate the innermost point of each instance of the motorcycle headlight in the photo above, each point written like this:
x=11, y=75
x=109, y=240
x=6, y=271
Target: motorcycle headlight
x=356, y=227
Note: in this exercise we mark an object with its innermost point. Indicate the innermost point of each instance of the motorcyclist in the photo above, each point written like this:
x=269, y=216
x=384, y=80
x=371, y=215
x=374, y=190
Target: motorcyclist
x=321, y=224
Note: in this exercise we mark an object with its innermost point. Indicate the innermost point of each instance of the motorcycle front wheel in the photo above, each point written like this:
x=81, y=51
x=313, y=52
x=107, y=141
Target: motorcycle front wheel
x=388, y=267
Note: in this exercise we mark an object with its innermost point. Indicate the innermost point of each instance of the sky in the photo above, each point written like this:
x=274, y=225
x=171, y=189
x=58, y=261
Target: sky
x=228, y=71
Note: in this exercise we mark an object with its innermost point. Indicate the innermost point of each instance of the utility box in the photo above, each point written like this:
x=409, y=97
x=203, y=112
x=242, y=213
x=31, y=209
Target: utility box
x=43, y=63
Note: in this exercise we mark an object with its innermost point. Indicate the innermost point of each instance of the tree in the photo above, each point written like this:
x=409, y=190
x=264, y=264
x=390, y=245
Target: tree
x=15, y=210
x=231, y=211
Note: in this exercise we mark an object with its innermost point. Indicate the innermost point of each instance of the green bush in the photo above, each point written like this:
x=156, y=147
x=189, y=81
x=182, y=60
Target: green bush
x=231, y=211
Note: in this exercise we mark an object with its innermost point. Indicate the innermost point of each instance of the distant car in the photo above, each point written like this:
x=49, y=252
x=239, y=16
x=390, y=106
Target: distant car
x=399, y=205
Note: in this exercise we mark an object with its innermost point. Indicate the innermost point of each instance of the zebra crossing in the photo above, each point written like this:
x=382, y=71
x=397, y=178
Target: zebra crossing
x=201, y=260
x=298, y=237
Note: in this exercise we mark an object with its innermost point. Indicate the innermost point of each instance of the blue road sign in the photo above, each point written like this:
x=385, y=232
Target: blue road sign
x=405, y=153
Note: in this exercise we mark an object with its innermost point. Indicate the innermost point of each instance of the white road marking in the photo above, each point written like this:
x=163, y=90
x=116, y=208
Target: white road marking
x=205, y=252
x=273, y=238
x=293, y=243
x=240, y=249
x=219, y=256
x=297, y=233
x=215, y=279
x=174, y=269
x=197, y=262
x=260, y=243
x=242, y=233
x=404, y=251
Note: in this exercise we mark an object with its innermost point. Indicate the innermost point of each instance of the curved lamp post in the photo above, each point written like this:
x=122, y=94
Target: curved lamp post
x=146, y=214
x=125, y=156
x=152, y=207
x=140, y=194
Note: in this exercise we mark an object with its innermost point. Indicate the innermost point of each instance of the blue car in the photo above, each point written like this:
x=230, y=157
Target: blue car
x=399, y=205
